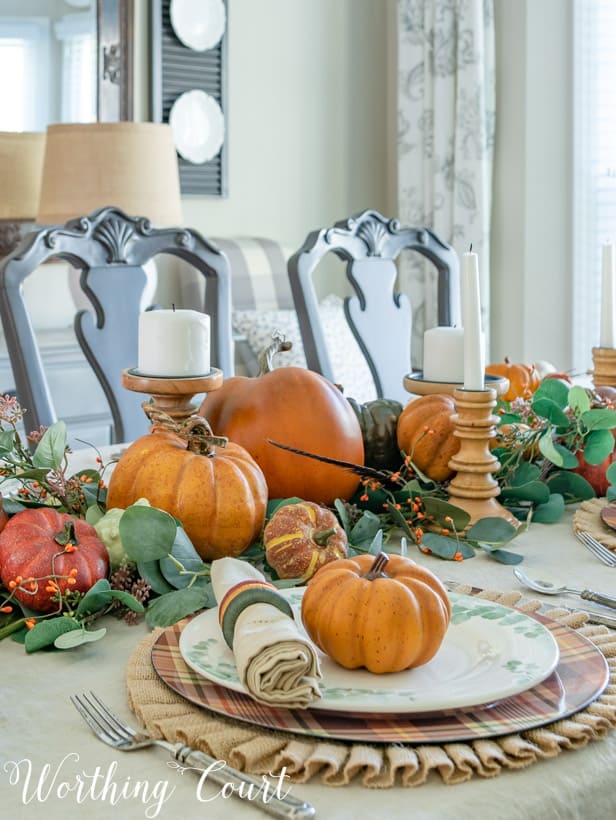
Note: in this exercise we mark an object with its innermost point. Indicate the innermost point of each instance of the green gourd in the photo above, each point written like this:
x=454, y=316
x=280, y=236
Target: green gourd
x=378, y=420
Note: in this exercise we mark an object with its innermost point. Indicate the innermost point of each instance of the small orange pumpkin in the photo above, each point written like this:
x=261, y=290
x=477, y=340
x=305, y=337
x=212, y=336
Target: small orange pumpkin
x=523, y=378
x=296, y=407
x=426, y=433
x=218, y=493
x=385, y=613
x=301, y=538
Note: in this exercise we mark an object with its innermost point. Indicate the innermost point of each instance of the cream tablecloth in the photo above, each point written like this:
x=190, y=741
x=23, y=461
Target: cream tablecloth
x=40, y=728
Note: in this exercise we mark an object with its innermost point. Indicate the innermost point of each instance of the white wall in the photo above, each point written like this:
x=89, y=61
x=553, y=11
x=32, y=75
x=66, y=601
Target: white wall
x=312, y=127
x=307, y=117
x=531, y=261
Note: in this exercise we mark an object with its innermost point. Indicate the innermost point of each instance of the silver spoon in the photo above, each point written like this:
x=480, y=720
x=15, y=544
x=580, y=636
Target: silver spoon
x=548, y=588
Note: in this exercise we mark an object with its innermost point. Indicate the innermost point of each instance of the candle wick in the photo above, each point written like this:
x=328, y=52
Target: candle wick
x=470, y=248
x=173, y=306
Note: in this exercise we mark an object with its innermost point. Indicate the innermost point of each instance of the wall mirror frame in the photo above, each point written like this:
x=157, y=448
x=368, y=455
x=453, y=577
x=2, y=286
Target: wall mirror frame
x=115, y=31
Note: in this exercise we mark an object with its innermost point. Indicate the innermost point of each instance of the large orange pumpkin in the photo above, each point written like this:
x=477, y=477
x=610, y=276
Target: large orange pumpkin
x=45, y=544
x=426, y=433
x=385, y=613
x=218, y=493
x=298, y=408
x=524, y=379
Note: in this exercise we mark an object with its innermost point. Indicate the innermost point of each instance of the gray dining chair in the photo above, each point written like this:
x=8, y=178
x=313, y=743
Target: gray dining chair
x=110, y=249
x=380, y=317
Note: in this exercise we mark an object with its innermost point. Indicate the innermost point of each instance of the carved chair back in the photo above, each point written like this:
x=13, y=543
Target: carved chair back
x=379, y=316
x=110, y=249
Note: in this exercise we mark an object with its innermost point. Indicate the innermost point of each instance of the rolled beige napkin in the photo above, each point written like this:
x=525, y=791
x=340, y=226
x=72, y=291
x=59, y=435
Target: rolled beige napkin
x=277, y=664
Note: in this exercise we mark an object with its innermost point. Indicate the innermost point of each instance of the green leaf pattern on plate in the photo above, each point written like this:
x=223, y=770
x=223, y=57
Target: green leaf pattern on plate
x=461, y=612
x=522, y=670
x=201, y=654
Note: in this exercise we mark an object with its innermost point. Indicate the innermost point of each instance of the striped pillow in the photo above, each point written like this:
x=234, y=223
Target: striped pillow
x=258, y=275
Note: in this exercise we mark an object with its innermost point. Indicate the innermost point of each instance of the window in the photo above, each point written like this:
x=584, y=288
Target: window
x=594, y=181
x=37, y=87
x=24, y=63
x=78, y=98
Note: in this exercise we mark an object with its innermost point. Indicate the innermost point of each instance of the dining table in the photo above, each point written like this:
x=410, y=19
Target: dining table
x=47, y=750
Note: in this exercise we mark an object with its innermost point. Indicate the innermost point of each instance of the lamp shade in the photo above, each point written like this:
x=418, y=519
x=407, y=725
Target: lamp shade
x=21, y=165
x=129, y=165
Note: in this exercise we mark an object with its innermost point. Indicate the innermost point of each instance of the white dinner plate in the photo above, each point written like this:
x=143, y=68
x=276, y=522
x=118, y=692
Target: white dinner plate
x=490, y=652
x=199, y=24
x=198, y=126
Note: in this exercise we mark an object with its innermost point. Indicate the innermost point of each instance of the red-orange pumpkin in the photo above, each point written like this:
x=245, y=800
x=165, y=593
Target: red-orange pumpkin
x=298, y=408
x=33, y=545
x=385, y=612
x=301, y=538
x=218, y=493
x=426, y=433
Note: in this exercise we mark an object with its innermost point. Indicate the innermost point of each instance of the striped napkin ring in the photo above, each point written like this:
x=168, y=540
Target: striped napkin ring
x=245, y=594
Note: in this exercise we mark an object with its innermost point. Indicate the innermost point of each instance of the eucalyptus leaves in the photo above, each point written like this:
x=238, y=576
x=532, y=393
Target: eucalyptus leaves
x=167, y=560
x=569, y=431
x=418, y=510
x=555, y=438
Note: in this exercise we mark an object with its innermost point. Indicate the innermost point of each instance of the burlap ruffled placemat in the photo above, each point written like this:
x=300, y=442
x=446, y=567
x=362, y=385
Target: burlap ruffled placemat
x=260, y=751
x=587, y=518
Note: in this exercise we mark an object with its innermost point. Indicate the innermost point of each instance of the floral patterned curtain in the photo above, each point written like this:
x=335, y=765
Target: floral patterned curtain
x=446, y=115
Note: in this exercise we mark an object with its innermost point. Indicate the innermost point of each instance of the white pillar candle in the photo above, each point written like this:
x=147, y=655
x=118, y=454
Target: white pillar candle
x=607, y=326
x=174, y=343
x=443, y=355
x=474, y=355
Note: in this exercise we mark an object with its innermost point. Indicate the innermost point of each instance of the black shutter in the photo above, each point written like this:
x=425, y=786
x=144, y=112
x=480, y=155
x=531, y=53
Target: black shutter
x=177, y=69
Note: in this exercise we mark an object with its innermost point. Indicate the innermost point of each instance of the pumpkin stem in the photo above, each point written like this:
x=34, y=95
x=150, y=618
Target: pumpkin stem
x=67, y=535
x=199, y=437
x=266, y=356
x=322, y=537
x=376, y=570
x=196, y=430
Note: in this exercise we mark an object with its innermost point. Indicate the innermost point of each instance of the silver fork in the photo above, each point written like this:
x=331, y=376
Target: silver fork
x=114, y=732
x=597, y=549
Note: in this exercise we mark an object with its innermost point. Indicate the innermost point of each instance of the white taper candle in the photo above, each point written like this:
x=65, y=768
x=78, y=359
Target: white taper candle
x=474, y=355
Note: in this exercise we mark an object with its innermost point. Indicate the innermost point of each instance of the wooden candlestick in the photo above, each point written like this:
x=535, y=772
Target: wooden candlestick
x=474, y=488
x=173, y=396
x=604, y=372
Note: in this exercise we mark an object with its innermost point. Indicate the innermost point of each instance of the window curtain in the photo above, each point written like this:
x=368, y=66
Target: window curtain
x=594, y=180
x=446, y=116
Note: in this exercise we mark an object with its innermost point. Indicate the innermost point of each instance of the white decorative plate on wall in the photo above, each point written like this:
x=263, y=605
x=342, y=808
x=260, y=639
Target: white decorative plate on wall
x=198, y=126
x=199, y=24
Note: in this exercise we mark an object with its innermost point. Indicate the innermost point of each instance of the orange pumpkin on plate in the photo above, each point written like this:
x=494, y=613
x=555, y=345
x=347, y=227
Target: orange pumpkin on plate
x=385, y=613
